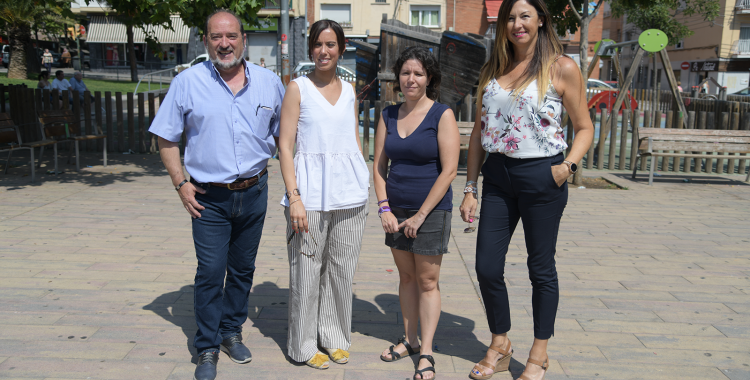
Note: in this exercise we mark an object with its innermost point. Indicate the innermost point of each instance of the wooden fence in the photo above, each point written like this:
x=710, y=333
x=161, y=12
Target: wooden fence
x=616, y=150
x=123, y=117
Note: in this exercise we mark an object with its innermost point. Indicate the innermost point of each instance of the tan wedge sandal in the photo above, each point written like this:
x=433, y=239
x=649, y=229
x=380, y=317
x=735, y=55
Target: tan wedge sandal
x=544, y=366
x=501, y=364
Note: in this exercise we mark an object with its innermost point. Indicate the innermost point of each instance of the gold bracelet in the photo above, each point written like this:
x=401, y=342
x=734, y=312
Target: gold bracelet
x=297, y=200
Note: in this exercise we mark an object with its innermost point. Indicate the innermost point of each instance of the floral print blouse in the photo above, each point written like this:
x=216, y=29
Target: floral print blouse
x=522, y=128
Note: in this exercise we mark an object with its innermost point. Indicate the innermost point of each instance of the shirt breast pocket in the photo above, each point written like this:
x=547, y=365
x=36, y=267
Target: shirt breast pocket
x=263, y=121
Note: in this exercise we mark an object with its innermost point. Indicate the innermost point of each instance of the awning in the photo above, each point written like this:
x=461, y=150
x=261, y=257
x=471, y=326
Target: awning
x=104, y=29
x=493, y=6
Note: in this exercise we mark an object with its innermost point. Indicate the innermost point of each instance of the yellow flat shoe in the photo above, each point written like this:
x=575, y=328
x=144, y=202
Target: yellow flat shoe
x=319, y=361
x=338, y=355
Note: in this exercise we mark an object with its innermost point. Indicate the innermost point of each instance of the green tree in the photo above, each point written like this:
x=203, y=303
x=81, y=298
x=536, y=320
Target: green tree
x=145, y=13
x=142, y=14
x=663, y=15
x=195, y=12
x=18, y=17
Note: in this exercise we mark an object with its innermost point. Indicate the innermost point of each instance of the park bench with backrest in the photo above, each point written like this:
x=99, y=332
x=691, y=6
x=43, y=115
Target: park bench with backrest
x=658, y=142
x=10, y=140
x=63, y=126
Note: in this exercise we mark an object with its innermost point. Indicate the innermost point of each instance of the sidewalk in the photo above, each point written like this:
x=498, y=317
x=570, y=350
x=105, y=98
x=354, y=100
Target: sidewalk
x=96, y=273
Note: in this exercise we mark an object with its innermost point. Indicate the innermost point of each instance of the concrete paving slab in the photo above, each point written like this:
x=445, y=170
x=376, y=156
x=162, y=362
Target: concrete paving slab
x=649, y=276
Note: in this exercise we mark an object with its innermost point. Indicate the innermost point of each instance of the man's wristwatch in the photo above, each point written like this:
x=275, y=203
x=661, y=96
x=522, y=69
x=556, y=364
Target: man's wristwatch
x=184, y=181
x=572, y=166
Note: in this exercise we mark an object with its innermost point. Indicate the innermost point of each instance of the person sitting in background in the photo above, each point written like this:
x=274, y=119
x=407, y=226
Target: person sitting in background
x=43, y=83
x=60, y=83
x=76, y=84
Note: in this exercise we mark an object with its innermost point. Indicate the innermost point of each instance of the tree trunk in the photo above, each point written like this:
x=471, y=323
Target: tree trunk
x=19, y=36
x=583, y=52
x=131, y=55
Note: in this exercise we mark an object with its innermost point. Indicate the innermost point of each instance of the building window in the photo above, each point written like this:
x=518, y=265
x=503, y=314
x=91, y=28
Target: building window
x=341, y=13
x=679, y=45
x=425, y=15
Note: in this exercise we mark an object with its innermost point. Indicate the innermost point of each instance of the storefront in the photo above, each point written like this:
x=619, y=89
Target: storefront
x=107, y=41
x=263, y=42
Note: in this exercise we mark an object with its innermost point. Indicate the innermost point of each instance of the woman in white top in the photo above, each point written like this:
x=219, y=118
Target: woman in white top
x=524, y=87
x=327, y=184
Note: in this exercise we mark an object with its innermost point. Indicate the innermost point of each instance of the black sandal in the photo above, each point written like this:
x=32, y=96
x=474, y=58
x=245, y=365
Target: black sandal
x=395, y=356
x=420, y=371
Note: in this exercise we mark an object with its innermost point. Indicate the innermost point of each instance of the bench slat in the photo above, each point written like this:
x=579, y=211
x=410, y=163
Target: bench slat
x=701, y=139
x=650, y=132
x=705, y=155
x=696, y=147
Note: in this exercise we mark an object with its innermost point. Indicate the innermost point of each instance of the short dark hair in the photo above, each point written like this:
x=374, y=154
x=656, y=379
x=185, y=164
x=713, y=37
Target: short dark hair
x=429, y=63
x=222, y=10
x=321, y=25
x=58, y=72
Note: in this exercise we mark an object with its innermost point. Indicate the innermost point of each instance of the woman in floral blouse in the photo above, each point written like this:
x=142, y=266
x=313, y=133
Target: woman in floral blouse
x=525, y=85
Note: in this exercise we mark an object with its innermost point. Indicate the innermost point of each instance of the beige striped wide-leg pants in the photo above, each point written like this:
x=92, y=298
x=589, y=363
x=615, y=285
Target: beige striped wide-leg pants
x=320, y=287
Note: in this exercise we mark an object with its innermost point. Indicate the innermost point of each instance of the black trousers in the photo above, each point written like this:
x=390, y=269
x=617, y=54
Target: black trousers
x=522, y=189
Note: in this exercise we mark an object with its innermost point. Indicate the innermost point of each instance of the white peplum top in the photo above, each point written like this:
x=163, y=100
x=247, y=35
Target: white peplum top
x=331, y=172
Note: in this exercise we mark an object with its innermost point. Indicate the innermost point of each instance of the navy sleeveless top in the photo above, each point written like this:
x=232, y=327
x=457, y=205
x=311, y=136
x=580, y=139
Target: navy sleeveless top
x=415, y=160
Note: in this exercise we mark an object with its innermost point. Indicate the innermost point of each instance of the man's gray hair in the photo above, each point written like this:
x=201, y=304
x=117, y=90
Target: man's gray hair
x=222, y=10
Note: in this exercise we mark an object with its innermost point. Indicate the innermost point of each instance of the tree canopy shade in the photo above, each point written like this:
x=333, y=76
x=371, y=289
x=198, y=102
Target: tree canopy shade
x=142, y=13
x=17, y=17
x=661, y=14
x=195, y=12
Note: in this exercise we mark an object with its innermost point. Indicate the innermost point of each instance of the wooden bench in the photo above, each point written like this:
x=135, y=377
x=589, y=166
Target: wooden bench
x=10, y=140
x=63, y=126
x=709, y=141
x=464, y=131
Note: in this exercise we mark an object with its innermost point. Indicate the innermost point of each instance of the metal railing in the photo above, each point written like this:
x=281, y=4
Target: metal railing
x=741, y=47
x=742, y=5
x=151, y=76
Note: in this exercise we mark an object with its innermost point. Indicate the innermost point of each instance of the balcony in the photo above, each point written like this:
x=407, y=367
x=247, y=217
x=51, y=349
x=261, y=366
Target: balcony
x=740, y=48
x=742, y=7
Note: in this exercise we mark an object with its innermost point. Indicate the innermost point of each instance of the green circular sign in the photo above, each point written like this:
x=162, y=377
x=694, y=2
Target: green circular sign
x=599, y=43
x=653, y=40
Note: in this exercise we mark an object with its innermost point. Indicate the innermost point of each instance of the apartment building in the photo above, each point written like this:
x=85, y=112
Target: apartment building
x=718, y=49
x=361, y=18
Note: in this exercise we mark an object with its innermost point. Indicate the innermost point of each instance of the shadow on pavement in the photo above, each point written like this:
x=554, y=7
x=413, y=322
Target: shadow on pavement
x=177, y=308
x=120, y=168
x=642, y=177
x=381, y=320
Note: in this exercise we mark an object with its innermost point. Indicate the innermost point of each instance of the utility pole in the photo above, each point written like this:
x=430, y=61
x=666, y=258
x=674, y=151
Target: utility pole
x=284, y=20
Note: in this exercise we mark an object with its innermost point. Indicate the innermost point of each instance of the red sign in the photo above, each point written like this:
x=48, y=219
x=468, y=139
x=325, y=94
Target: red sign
x=283, y=37
x=685, y=66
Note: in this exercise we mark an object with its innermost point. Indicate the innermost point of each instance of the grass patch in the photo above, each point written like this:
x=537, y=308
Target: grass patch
x=600, y=183
x=92, y=84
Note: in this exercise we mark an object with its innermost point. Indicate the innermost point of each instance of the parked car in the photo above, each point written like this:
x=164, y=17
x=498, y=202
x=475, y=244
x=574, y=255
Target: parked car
x=306, y=67
x=6, y=55
x=197, y=60
x=596, y=83
x=744, y=92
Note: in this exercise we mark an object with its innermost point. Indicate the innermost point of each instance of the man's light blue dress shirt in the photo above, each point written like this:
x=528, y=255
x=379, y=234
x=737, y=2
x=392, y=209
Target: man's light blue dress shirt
x=228, y=136
x=75, y=85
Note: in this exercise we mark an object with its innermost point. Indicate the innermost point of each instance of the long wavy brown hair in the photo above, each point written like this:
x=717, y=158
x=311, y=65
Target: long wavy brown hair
x=547, y=49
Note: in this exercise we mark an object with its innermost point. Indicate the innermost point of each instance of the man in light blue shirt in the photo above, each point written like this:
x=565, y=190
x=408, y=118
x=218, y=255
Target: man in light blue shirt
x=229, y=112
x=76, y=84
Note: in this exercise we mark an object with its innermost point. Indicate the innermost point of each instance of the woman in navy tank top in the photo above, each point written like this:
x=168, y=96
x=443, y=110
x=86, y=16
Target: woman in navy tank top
x=420, y=139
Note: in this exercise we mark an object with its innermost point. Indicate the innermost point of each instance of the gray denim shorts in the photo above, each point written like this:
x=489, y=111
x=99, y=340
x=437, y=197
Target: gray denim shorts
x=432, y=237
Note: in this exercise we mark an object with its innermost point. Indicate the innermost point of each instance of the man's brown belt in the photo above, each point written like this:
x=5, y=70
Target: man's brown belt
x=240, y=184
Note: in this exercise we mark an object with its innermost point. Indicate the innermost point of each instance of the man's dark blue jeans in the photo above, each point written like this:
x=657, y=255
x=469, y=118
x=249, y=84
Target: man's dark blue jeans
x=226, y=240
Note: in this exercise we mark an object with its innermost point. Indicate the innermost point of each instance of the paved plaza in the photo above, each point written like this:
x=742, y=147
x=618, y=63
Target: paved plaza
x=97, y=267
